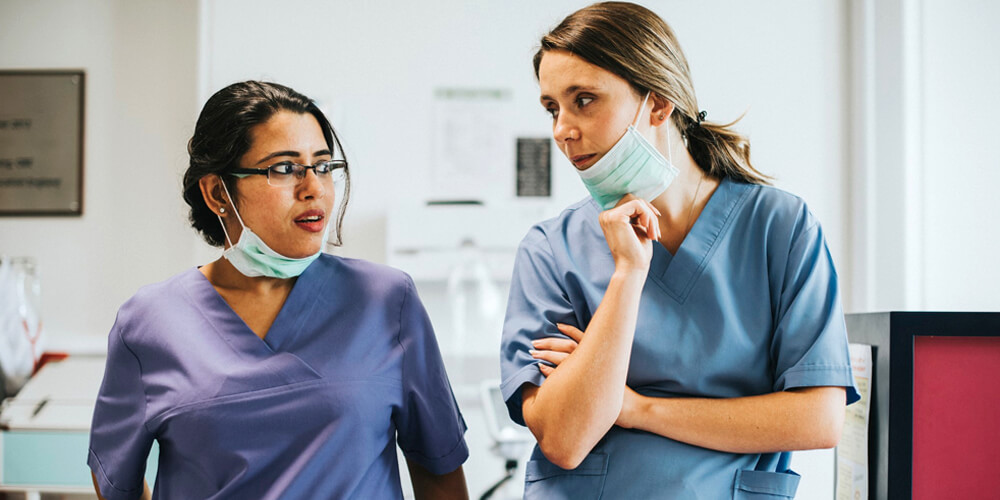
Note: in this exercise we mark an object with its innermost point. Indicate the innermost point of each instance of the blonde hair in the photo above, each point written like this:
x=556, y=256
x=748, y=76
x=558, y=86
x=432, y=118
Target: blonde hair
x=634, y=43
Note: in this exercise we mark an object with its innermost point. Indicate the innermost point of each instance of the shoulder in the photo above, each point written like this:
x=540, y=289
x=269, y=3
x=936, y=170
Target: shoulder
x=155, y=297
x=578, y=219
x=365, y=278
x=778, y=213
x=156, y=304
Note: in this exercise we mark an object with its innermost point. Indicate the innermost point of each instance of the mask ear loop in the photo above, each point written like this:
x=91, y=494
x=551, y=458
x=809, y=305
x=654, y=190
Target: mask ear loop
x=670, y=156
x=237, y=212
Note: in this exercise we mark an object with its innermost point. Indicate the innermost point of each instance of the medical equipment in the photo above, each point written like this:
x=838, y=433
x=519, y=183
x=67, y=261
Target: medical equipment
x=510, y=441
x=20, y=321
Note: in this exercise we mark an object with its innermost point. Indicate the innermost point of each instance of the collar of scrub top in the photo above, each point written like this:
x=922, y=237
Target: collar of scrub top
x=306, y=294
x=677, y=274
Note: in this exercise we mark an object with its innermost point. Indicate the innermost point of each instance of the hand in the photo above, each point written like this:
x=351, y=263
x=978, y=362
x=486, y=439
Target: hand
x=630, y=229
x=555, y=349
x=630, y=407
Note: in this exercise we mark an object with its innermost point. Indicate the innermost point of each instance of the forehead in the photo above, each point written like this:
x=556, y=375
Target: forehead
x=560, y=71
x=287, y=130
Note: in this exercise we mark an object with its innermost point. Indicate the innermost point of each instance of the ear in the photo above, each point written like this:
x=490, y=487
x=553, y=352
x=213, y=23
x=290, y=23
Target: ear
x=661, y=110
x=213, y=194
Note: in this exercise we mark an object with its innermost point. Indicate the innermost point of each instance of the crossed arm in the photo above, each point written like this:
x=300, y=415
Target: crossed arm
x=796, y=419
x=585, y=394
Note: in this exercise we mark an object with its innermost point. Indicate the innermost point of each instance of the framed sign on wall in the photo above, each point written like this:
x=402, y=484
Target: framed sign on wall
x=41, y=142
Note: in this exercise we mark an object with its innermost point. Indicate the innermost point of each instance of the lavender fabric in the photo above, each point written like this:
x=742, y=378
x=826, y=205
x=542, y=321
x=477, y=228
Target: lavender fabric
x=349, y=368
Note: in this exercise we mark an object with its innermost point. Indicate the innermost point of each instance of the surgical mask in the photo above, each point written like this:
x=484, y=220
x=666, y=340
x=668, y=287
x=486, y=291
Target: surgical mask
x=252, y=257
x=633, y=165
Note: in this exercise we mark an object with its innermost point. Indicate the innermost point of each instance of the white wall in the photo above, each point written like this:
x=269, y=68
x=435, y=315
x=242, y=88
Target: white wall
x=960, y=76
x=923, y=222
x=140, y=63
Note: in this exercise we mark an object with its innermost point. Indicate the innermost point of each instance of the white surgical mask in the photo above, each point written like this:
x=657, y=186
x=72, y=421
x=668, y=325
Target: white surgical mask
x=632, y=165
x=252, y=257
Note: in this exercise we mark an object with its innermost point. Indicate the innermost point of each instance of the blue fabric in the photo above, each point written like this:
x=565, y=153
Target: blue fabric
x=349, y=367
x=749, y=305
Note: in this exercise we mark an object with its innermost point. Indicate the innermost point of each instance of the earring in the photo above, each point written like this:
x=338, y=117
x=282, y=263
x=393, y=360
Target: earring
x=662, y=116
x=222, y=210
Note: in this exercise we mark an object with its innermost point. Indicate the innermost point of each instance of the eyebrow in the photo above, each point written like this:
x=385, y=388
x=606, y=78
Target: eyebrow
x=293, y=154
x=572, y=89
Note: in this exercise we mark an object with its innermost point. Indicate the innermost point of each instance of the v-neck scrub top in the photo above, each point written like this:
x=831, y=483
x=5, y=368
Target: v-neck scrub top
x=314, y=410
x=748, y=305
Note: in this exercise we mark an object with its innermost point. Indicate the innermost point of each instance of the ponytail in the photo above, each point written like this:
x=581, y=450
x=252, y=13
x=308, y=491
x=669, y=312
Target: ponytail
x=720, y=151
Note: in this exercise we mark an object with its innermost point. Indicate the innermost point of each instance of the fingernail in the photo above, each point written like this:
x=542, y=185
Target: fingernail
x=535, y=342
x=533, y=352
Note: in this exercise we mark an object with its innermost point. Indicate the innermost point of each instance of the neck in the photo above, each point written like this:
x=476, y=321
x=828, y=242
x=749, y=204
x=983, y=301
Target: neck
x=684, y=199
x=222, y=275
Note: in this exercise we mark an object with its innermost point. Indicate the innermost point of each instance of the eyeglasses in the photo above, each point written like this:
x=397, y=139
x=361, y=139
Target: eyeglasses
x=286, y=173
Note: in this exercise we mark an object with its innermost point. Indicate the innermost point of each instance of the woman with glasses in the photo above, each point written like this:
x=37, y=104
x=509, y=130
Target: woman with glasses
x=276, y=371
x=677, y=333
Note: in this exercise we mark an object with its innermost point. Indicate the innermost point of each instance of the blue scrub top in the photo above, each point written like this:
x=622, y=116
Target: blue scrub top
x=314, y=410
x=748, y=306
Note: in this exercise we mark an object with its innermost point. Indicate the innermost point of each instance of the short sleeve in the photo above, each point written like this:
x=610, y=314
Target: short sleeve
x=810, y=339
x=536, y=303
x=429, y=424
x=119, y=440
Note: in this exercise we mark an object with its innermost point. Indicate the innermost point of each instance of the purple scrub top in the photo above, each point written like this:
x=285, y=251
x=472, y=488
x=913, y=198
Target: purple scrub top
x=749, y=305
x=349, y=368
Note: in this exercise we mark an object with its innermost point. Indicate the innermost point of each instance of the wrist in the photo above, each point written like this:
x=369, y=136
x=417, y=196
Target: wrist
x=630, y=275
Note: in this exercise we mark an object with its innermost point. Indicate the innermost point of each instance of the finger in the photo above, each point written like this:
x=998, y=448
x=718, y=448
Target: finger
x=570, y=331
x=554, y=344
x=550, y=356
x=654, y=220
x=653, y=208
x=546, y=369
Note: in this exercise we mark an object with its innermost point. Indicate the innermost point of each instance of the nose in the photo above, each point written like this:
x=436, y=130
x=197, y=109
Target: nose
x=310, y=186
x=564, y=129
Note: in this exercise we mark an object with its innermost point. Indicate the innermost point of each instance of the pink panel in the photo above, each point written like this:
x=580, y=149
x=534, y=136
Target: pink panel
x=956, y=417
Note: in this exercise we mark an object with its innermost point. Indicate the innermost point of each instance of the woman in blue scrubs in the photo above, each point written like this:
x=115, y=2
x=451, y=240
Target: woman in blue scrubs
x=679, y=332
x=276, y=371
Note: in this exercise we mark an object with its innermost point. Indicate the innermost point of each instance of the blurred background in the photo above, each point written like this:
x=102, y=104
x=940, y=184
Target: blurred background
x=877, y=113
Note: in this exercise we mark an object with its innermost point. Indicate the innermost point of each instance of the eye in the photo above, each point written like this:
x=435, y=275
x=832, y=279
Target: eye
x=283, y=168
x=324, y=167
x=553, y=111
x=583, y=101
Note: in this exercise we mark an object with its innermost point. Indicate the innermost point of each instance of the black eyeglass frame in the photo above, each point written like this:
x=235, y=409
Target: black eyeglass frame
x=333, y=166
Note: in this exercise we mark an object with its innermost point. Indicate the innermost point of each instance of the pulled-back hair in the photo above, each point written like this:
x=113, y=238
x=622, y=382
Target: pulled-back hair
x=634, y=43
x=222, y=136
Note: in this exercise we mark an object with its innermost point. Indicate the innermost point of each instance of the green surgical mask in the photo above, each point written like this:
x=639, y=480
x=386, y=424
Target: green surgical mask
x=632, y=165
x=252, y=257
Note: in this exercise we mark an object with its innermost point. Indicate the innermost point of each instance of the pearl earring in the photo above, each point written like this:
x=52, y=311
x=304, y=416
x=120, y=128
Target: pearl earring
x=222, y=210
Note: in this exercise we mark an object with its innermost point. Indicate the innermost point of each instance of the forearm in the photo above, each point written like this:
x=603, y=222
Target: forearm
x=450, y=486
x=580, y=401
x=801, y=419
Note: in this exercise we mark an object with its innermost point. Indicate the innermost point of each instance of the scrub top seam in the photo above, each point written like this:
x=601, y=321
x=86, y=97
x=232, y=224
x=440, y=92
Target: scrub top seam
x=733, y=207
x=142, y=383
x=231, y=318
x=399, y=341
x=685, y=290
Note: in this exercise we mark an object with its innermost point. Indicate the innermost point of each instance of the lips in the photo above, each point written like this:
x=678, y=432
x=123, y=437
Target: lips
x=579, y=161
x=311, y=220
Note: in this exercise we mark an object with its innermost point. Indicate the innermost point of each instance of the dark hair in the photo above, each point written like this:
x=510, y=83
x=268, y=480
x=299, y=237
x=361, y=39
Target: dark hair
x=222, y=136
x=632, y=42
